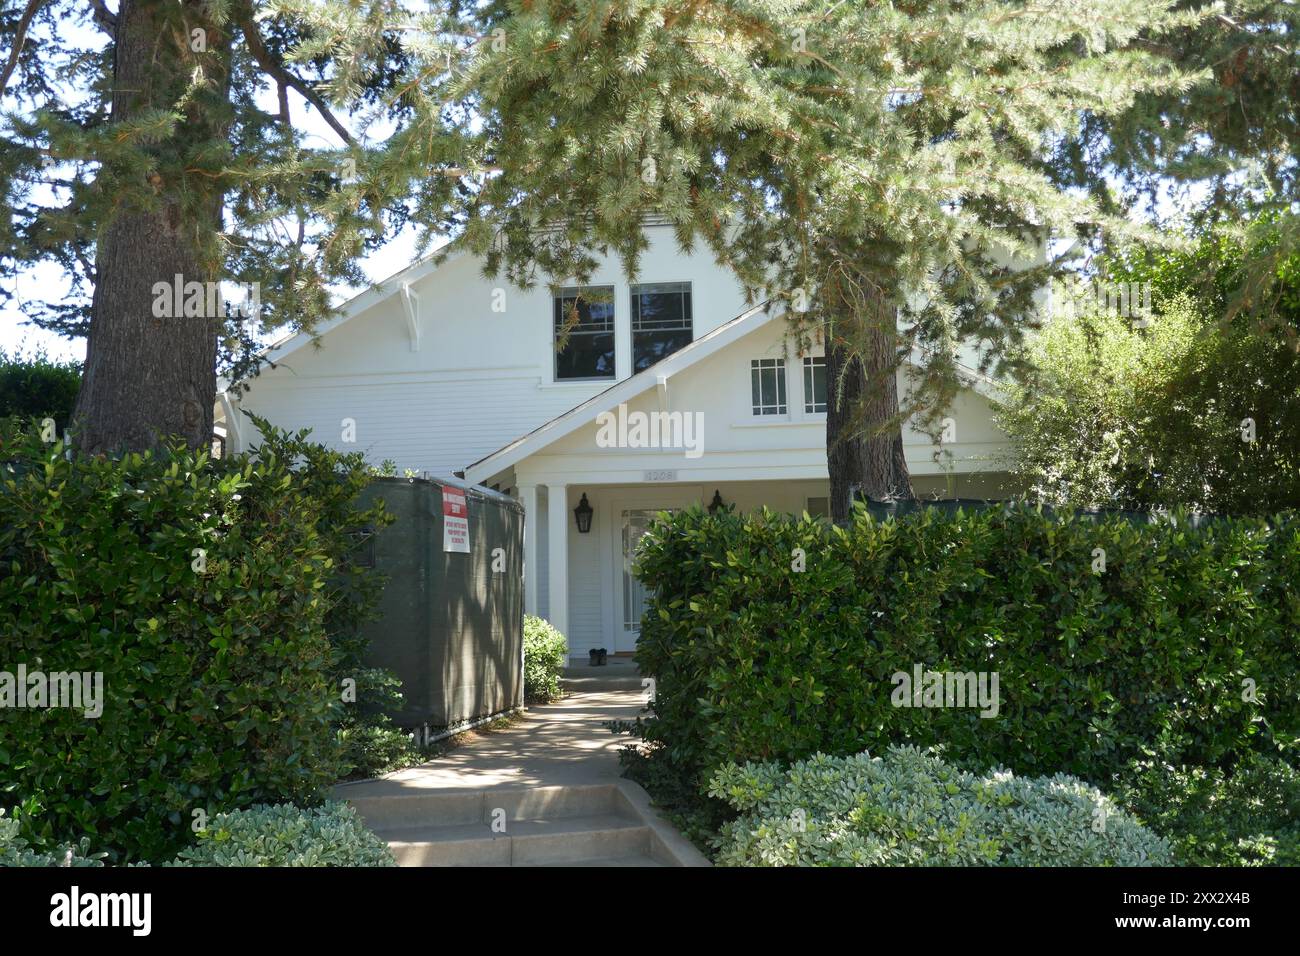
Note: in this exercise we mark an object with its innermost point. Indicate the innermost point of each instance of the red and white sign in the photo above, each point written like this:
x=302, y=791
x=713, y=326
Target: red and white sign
x=455, y=521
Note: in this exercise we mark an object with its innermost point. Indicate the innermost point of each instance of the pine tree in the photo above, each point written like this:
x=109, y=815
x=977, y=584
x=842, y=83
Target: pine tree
x=870, y=168
x=1236, y=136
x=176, y=150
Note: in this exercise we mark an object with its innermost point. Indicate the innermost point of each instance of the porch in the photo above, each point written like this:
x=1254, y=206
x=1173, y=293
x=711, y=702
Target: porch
x=581, y=580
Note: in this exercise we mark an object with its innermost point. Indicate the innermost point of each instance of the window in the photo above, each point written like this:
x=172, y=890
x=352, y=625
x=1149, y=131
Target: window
x=589, y=350
x=814, y=384
x=661, y=321
x=767, y=380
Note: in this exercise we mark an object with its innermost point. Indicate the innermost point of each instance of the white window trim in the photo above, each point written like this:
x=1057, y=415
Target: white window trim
x=619, y=331
x=756, y=417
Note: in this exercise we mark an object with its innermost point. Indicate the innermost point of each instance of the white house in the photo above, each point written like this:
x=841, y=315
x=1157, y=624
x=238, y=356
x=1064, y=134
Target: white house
x=669, y=392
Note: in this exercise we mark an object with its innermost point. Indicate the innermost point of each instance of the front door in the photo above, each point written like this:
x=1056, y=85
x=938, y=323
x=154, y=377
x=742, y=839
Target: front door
x=634, y=524
x=630, y=514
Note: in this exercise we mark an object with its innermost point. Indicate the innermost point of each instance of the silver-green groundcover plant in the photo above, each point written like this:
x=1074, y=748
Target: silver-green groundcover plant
x=910, y=808
x=284, y=835
x=331, y=834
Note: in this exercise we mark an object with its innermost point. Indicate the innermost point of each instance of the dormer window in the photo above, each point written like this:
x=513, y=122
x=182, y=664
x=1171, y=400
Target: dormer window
x=584, y=322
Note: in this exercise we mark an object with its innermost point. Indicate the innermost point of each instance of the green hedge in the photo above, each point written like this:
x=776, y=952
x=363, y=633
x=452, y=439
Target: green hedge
x=910, y=808
x=756, y=661
x=34, y=387
x=1249, y=817
x=221, y=684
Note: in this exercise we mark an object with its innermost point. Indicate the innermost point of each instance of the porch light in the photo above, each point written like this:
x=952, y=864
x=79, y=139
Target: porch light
x=583, y=515
x=716, y=504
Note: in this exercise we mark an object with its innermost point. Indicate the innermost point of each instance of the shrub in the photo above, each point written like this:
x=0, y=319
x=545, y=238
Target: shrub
x=202, y=591
x=545, y=654
x=16, y=851
x=756, y=661
x=1122, y=417
x=372, y=743
x=910, y=808
x=1246, y=816
x=285, y=835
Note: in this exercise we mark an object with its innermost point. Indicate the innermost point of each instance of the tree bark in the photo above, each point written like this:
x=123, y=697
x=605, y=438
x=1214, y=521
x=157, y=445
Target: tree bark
x=864, y=437
x=148, y=377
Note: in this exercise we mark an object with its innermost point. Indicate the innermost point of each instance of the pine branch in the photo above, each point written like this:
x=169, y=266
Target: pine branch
x=277, y=71
x=20, y=37
x=104, y=18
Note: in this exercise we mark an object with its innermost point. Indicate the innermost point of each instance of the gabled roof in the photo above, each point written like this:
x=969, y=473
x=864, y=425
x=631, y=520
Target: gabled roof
x=619, y=392
x=359, y=303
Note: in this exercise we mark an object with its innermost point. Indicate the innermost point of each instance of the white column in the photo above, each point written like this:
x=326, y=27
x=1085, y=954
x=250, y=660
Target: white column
x=557, y=565
x=528, y=498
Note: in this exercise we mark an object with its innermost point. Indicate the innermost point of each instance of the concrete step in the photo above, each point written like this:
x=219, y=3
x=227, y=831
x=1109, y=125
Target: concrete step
x=457, y=807
x=605, y=861
x=537, y=842
x=579, y=677
x=595, y=824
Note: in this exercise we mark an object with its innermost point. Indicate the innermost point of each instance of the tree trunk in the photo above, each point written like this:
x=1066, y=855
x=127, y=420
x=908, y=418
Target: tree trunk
x=149, y=376
x=864, y=437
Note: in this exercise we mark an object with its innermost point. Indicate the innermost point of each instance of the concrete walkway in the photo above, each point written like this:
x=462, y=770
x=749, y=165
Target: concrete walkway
x=554, y=773
x=556, y=744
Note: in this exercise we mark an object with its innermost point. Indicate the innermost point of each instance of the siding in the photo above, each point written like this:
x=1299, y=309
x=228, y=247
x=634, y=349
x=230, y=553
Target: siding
x=587, y=602
x=435, y=424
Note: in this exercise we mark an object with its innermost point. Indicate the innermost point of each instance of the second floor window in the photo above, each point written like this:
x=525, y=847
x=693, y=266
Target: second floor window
x=661, y=321
x=814, y=384
x=767, y=381
x=586, y=315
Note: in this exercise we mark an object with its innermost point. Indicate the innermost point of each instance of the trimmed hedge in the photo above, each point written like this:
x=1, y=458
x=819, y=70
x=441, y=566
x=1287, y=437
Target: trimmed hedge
x=910, y=808
x=33, y=387
x=279, y=835
x=756, y=661
x=221, y=684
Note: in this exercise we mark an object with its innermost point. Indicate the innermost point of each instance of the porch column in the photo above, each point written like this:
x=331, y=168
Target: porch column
x=528, y=498
x=557, y=565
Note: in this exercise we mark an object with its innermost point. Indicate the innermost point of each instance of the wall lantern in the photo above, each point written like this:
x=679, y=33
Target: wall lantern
x=583, y=515
x=716, y=504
